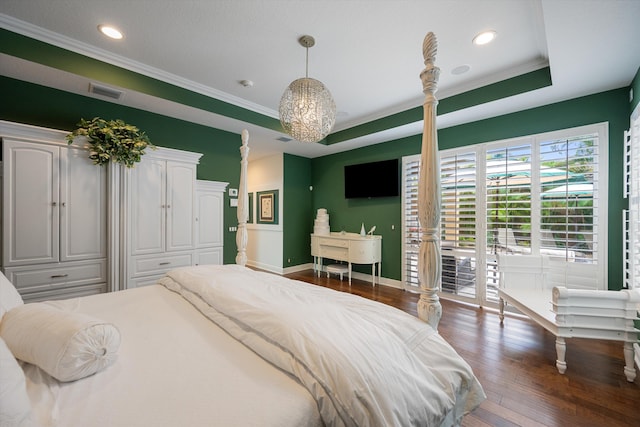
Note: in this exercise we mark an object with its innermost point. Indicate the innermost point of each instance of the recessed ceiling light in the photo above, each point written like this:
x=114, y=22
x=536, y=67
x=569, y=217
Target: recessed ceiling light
x=460, y=69
x=110, y=31
x=484, y=37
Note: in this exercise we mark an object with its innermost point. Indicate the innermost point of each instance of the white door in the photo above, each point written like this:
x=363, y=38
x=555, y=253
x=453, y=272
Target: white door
x=83, y=207
x=181, y=178
x=148, y=207
x=31, y=204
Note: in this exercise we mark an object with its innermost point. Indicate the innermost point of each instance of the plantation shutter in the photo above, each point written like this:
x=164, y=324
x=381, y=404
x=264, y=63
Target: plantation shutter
x=632, y=244
x=458, y=215
x=458, y=223
x=569, y=203
x=410, y=227
x=509, y=179
x=536, y=195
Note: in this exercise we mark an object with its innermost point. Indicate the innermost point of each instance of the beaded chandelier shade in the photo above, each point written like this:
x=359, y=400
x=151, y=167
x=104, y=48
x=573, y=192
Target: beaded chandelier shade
x=307, y=109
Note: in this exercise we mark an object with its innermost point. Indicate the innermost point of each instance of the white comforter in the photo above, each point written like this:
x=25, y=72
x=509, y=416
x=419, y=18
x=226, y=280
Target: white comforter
x=365, y=363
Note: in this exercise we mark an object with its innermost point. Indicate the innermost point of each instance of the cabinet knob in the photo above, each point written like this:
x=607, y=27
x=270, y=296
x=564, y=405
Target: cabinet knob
x=165, y=263
x=59, y=276
x=64, y=204
x=54, y=204
x=168, y=206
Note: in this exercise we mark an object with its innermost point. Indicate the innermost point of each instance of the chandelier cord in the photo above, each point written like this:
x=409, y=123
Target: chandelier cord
x=306, y=72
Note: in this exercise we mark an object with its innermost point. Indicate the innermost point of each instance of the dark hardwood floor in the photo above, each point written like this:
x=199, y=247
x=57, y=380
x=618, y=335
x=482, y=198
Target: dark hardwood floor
x=515, y=364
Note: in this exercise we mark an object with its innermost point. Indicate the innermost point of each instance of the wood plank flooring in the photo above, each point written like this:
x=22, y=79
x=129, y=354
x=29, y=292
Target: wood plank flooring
x=515, y=364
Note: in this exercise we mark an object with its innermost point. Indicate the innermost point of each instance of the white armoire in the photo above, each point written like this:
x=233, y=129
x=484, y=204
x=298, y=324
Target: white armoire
x=163, y=228
x=71, y=228
x=54, y=215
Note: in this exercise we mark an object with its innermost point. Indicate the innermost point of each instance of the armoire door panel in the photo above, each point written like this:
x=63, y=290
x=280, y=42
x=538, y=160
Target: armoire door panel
x=148, y=207
x=31, y=204
x=210, y=209
x=83, y=207
x=181, y=178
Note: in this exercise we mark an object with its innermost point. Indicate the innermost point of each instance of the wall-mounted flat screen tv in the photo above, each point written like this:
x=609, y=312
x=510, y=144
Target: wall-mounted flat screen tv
x=374, y=179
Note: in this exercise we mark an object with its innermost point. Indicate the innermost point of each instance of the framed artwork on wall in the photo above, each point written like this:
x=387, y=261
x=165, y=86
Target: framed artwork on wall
x=267, y=207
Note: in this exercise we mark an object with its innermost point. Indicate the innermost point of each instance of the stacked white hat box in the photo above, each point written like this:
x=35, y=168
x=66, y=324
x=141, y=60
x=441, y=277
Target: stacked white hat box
x=321, y=223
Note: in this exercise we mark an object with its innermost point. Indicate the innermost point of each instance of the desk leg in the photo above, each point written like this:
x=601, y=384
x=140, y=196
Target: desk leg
x=503, y=303
x=349, y=273
x=629, y=368
x=561, y=350
x=373, y=274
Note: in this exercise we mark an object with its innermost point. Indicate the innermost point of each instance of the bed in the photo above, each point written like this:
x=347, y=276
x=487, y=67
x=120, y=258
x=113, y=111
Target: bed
x=228, y=345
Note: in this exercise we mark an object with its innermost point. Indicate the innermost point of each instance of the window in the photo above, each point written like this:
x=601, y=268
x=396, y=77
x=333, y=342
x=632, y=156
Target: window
x=532, y=195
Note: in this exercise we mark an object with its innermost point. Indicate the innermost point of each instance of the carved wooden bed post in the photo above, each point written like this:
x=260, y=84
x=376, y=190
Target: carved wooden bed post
x=243, y=202
x=429, y=260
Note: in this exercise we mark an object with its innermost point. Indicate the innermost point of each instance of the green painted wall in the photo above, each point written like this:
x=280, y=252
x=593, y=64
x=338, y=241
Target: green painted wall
x=328, y=176
x=297, y=215
x=349, y=214
x=42, y=106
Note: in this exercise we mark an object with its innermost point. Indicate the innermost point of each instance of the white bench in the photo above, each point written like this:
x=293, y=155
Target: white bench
x=526, y=283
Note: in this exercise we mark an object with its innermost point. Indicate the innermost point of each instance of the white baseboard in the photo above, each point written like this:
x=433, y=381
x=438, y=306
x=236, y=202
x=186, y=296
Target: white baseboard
x=265, y=267
x=384, y=281
x=296, y=268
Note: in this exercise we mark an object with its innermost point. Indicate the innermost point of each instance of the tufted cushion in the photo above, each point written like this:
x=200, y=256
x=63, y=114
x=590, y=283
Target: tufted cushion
x=66, y=345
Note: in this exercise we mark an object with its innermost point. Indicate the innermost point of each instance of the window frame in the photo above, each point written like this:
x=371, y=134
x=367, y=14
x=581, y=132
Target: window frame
x=481, y=149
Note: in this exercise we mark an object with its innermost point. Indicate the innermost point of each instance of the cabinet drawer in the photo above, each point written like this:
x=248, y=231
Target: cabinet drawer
x=160, y=264
x=334, y=252
x=333, y=242
x=58, y=275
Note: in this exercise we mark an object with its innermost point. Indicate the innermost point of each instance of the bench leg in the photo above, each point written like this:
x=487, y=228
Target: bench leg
x=561, y=350
x=503, y=303
x=629, y=368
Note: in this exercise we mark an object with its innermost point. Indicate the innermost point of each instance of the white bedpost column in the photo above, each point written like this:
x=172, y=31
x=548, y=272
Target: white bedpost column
x=429, y=260
x=243, y=202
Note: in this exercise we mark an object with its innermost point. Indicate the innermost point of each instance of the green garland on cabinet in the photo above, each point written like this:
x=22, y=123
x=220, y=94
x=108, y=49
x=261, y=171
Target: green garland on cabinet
x=112, y=140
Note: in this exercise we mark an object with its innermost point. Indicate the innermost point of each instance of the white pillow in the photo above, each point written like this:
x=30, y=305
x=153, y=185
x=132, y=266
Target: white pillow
x=15, y=407
x=9, y=296
x=66, y=345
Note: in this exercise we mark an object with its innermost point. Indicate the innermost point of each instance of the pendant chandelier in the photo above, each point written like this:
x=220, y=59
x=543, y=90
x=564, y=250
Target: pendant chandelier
x=307, y=110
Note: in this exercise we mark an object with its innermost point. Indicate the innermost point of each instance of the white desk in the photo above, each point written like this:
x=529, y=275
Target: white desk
x=348, y=247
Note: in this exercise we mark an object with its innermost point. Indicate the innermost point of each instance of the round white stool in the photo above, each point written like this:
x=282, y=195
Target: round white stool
x=337, y=269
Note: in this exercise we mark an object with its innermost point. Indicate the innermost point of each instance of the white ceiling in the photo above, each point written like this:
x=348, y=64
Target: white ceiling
x=368, y=53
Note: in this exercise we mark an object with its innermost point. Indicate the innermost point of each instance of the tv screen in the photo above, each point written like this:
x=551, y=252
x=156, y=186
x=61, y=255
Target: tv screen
x=375, y=179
